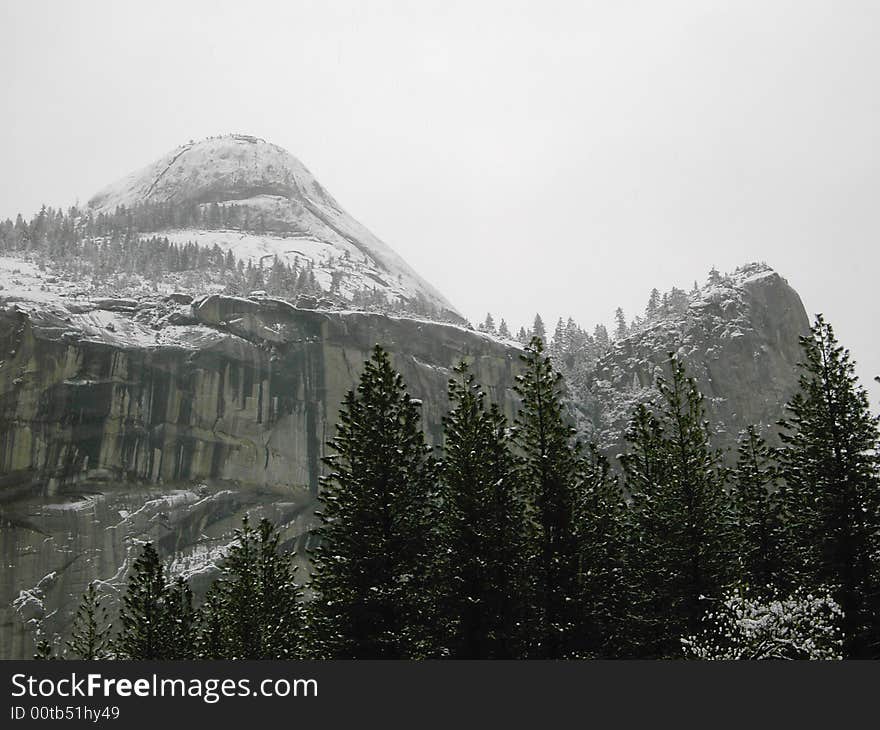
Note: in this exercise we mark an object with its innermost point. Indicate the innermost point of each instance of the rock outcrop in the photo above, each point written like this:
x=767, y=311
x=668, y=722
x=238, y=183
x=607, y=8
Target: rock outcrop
x=124, y=421
x=738, y=336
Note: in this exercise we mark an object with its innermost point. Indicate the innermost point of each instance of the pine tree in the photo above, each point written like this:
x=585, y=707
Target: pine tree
x=253, y=610
x=653, y=304
x=181, y=619
x=681, y=522
x=211, y=625
x=600, y=525
x=91, y=633
x=758, y=510
x=621, y=330
x=538, y=329
x=830, y=466
x=482, y=528
x=559, y=337
x=503, y=330
x=551, y=482
x=374, y=589
x=146, y=626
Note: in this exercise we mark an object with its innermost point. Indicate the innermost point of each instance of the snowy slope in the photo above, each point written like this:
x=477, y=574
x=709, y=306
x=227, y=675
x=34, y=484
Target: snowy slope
x=268, y=182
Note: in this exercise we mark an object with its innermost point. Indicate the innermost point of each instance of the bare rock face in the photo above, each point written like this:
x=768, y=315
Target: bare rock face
x=165, y=421
x=739, y=337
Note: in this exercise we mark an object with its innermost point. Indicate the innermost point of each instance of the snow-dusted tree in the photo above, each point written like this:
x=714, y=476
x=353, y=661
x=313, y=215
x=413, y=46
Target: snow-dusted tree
x=830, y=465
x=653, y=304
x=503, y=330
x=803, y=625
x=551, y=481
x=91, y=634
x=559, y=338
x=758, y=507
x=488, y=324
x=621, y=329
x=482, y=528
x=147, y=627
x=375, y=590
x=253, y=610
x=681, y=532
x=538, y=329
x=600, y=531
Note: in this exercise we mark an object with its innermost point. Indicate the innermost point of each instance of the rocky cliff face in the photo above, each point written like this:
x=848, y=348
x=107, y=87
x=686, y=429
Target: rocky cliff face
x=167, y=419
x=738, y=337
x=124, y=421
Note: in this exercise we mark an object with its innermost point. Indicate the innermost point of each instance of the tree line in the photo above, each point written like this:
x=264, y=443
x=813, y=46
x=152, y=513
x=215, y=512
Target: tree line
x=110, y=251
x=514, y=540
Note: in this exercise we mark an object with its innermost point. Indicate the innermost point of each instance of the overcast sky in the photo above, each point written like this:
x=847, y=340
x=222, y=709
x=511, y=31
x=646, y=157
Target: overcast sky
x=554, y=157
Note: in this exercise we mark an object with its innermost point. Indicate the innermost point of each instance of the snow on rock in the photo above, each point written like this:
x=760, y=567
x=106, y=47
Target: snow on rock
x=278, y=193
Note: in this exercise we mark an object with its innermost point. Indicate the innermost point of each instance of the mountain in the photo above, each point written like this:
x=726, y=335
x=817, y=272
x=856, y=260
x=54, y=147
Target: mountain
x=147, y=393
x=280, y=211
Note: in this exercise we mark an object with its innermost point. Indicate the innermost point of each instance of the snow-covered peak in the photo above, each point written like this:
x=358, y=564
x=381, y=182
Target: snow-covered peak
x=273, y=193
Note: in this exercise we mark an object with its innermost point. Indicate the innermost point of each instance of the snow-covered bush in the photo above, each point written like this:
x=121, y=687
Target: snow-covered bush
x=800, y=626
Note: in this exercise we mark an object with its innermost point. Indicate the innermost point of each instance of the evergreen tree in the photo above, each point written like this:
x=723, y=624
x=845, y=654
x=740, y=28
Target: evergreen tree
x=830, y=465
x=181, y=619
x=482, y=529
x=758, y=509
x=146, y=626
x=621, y=330
x=653, y=304
x=600, y=531
x=681, y=522
x=91, y=633
x=503, y=330
x=559, y=337
x=253, y=610
x=211, y=625
x=551, y=480
x=538, y=329
x=375, y=593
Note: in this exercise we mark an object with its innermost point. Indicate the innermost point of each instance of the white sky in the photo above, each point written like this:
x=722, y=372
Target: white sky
x=562, y=157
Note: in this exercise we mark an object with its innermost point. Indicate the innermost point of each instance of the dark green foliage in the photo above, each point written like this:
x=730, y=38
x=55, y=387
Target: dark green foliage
x=551, y=483
x=759, y=518
x=146, y=622
x=211, y=625
x=181, y=620
x=91, y=634
x=830, y=466
x=600, y=532
x=375, y=591
x=483, y=528
x=253, y=610
x=680, y=521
